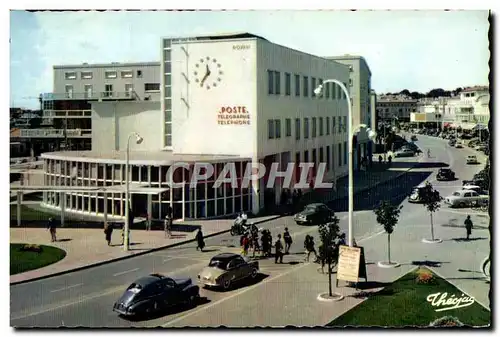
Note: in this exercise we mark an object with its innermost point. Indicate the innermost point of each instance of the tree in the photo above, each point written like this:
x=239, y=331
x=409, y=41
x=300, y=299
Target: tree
x=405, y=92
x=388, y=216
x=329, y=235
x=430, y=200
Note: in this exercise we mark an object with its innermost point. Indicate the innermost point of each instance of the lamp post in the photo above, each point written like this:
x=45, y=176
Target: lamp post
x=352, y=130
x=138, y=140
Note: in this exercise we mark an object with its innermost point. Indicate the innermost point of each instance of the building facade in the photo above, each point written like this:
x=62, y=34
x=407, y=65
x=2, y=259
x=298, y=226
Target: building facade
x=227, y=98
x=390, y=107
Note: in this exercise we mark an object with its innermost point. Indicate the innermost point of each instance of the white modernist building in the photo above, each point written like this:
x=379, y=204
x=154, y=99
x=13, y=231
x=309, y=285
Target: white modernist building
x=225, y=98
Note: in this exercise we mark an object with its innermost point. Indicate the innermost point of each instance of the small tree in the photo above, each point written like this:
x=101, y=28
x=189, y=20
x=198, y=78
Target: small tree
x=329, y=235
x=430, y=200
x=388, y=216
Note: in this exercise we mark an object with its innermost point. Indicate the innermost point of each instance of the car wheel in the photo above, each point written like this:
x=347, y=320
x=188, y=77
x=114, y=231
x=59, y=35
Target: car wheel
x=227, y=284
x=254, y=273
x=461, y=205
x=233, y=232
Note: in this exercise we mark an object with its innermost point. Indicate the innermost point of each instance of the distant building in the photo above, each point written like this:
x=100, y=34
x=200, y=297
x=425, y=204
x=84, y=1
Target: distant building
x=390, y=107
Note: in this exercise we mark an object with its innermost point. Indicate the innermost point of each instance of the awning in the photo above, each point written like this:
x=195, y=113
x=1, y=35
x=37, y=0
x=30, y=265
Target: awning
x=480, y=127
x=467, y=126
x=446, y=125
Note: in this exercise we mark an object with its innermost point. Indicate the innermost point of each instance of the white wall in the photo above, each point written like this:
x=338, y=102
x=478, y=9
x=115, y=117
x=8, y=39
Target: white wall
x=195, y=125
x=113, y=122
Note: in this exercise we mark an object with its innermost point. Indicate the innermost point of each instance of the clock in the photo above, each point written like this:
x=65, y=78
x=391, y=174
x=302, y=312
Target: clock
x=207, y=73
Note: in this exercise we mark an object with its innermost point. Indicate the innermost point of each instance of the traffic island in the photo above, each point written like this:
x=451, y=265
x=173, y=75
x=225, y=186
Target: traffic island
x=419, y=298
x=25, y=257
x=432, y=241
x=325, y=297
x=385, y=264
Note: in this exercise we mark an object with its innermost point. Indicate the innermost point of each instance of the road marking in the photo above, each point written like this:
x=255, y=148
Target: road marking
x=97, y=295
x=65, y=288
x=203, y=308
x=125, y=272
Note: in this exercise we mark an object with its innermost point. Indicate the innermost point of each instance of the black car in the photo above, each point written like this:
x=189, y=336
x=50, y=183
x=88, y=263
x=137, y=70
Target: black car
x=414, y=138
x=314, y=214
x=445, y=174
x=412, y=146
x=156, y=292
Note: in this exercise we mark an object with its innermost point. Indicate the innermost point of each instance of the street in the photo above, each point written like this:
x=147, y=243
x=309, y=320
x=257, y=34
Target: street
x=85, y=298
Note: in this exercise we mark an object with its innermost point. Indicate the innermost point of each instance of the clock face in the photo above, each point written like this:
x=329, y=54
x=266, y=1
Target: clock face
x=207, y=73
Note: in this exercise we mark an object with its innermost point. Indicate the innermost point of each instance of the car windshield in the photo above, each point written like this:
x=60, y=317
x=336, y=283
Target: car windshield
x=134, y=288
x=310, y=208
x=456, y=194
x=220, y=264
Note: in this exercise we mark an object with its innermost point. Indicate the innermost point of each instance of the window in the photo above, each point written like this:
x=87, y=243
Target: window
x=328, y=158
x=87, y=88
x=110, y=74
x=86, y=75
x=350, y=82
x=69, y=91
x=340, y=155
x=320, y=81
x=297, y=128
x=70, y=75
x=288, y=84
x=277, y=83
x=313, y=86
x=277, y=126
x=270, y=129
x=306, y=156
x=345, y=123
x=321, y=126
x=343, y=93
x=313, y=127
x=327, y=126
x=321, y=157
x=333, y=125
x=297, y=85
x=288, y=127
x=127, y=74
x=128, y=89
x=340, y=124
x=345, y=153
x=327, y=90
x=270, y=82
x=151, y=86
x=139, y=73
x=306, y=86
x=339, y=92
x=306, y=128
x=108, y=90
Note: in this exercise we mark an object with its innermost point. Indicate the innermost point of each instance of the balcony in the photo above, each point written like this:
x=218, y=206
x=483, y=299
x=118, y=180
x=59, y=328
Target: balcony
x=93, y=96
x=55, y=133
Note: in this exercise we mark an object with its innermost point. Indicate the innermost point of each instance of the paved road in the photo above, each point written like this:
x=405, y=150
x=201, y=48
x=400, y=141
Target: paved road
x=85, y=298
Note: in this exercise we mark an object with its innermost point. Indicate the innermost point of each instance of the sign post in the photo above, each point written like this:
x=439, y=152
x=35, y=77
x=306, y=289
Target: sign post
x=352, y=265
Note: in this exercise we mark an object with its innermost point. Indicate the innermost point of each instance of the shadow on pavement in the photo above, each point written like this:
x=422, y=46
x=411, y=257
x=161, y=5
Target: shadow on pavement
x=409, y=164
x=209, y=250
x=371, y=285
x=367, y=294
x=427, y=263
x=463, y=226
x=64, y=240
x=465, y=239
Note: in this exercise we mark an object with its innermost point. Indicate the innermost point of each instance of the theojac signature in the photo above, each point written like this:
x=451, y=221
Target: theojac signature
x=443, y=302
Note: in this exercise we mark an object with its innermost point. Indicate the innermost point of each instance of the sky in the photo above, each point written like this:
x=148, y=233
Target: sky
x=414, y=50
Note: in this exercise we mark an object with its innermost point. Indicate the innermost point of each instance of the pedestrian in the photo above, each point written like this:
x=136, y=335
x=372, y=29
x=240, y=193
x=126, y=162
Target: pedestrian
x=266, y=240
x=51, y=226
x=309, y=246
x=199, y=240
x=278, y=255
x=295, y=200
x=108, y=231
x=468, y=226
x=245, y=244
x=288, y=240
x=123, y=235
x=167, y=226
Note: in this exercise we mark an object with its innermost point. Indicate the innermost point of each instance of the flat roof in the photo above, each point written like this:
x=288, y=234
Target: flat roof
x=107, y=65
x=155, y=158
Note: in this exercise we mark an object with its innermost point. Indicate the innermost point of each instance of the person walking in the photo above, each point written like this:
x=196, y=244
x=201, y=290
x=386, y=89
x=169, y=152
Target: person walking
x=199, y=240
x=288, y=240
x=108, y=231
x=278, y=254
x=51, y=226
x=468, y=226
x=309, y=246
x=167, y=226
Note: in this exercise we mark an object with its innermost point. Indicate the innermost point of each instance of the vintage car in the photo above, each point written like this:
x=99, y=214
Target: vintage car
x=412, y=146
x=314, y=214
x=465, y=198
x=415, y=194
x=225, y=269
x=413, y=138
x=458, y=145
x=404, y=153
x=475, y=188
x=156, y=292
x=445, y=174
x=472, y=160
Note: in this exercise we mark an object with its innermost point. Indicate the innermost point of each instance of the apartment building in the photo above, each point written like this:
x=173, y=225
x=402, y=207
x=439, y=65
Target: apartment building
x=390, y=107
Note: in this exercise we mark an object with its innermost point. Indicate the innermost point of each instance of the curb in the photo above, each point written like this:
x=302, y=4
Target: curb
x=130, y=256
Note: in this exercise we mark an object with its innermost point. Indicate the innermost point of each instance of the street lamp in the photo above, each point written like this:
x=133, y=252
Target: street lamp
x=138, y=140
x=352, y=130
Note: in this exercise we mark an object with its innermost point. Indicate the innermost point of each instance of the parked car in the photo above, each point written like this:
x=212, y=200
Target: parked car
x=415, y=196
x=225, y=269
x=412, y=146
x=445, y=174
x=465, y=198
x=475, y=188
x=458, y=145
x=314, y=214
x=156, y=292
x=452, y=142
x=413, y=138
x=404, y=153
x=472, y=160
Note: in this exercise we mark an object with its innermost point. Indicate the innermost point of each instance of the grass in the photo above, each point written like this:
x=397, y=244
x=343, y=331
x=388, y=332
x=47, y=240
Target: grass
x=403, y=303
x=22, y=261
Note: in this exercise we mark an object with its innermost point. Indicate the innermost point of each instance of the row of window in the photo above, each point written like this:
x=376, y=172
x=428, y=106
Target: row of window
x=330, y=160
x=317, y=127
x=108, y=89
x=110, y=74
x=400, y=110
x=330, y=90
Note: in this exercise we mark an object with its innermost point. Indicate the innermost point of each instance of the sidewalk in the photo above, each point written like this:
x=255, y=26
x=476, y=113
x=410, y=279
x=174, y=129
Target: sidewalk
x=86, y=247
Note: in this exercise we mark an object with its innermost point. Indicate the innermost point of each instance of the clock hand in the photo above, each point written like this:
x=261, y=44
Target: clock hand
x=203, y=80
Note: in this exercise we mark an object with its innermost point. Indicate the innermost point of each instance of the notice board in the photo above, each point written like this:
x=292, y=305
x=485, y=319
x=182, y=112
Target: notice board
x=351, y=265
